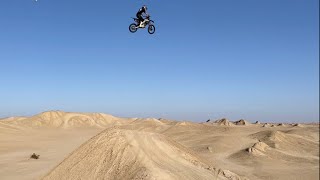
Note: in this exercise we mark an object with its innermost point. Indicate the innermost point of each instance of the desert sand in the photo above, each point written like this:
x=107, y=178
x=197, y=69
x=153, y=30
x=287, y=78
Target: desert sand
x=101, y=146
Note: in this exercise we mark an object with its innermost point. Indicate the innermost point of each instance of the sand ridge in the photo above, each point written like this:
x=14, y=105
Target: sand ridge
x=60, y=119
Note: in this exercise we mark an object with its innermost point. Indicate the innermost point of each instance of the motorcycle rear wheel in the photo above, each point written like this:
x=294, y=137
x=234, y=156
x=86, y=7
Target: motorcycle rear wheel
x=133, y=28
x=151, y=29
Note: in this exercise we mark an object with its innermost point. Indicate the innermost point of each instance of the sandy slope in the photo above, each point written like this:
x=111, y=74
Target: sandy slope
x=52, y=145
x=130, y=154
x=154, y=148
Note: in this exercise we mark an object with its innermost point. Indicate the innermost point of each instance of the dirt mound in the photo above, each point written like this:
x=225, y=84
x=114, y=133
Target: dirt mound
x=266, y=125
x=257, y=122
x=297, y=125
x=127, y=154
x=291, y=144
x=258, y=149
x=60, y=119
x=242, y=122
x=262, y=151
x=224, y=122
x=270, y=137
x=147, y=124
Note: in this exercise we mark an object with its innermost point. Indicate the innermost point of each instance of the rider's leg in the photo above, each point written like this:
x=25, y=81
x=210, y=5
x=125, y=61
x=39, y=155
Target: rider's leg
x=140, y=18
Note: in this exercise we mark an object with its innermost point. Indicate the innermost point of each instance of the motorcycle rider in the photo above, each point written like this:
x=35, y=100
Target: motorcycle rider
x=142, y=10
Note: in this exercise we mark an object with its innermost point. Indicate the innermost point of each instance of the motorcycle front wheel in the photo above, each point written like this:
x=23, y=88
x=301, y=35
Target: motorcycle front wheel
x=133, y=28
x=151, y=29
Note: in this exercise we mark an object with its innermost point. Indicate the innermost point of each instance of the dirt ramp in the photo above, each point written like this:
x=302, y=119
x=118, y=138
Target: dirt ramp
x=127, y=154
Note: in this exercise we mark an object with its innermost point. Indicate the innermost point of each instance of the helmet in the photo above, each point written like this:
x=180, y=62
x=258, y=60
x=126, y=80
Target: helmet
x=145, y=7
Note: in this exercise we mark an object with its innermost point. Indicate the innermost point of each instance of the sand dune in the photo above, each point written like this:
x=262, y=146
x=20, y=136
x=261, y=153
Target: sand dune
x=147, y=120
x=290, y=144
x=261, y=151
x=127, y=154
x=59, y=119
x=101, y=146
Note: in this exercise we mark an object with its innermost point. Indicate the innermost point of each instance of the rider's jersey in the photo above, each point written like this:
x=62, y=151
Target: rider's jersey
x=141, y=11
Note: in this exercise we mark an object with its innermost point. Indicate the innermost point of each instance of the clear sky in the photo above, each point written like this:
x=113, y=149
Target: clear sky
x=250, y=59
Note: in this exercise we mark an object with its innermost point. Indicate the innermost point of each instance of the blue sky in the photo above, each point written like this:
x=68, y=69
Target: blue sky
x=250, y=59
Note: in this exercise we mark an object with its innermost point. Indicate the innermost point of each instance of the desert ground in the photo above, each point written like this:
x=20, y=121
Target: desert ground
x=101, y=146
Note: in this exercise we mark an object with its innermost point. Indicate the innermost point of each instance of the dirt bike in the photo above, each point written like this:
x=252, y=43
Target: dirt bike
x=147, y=22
